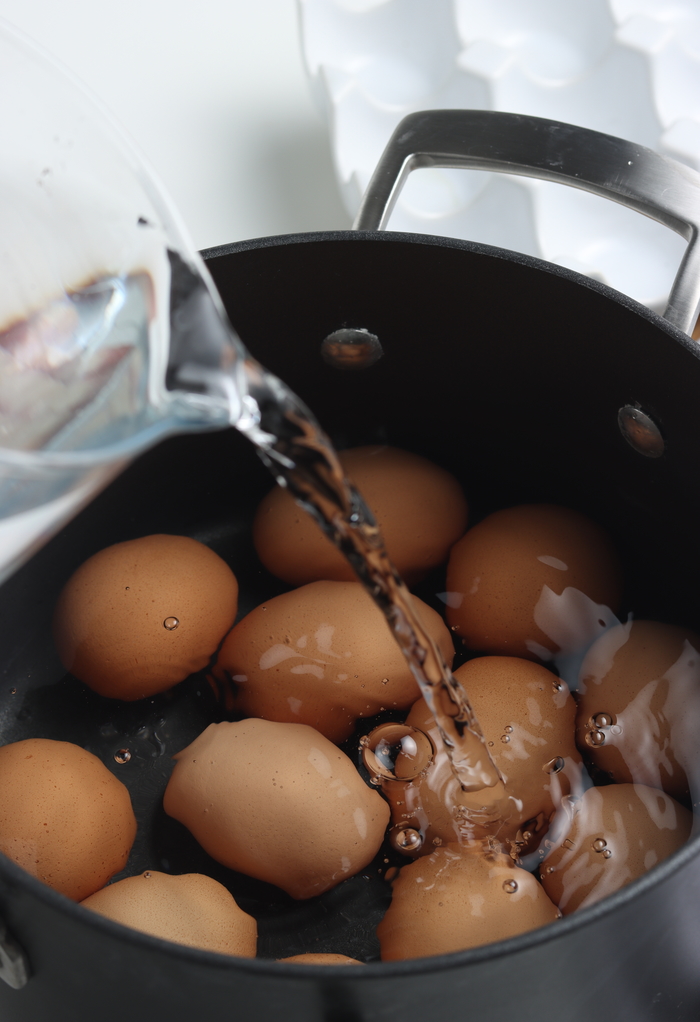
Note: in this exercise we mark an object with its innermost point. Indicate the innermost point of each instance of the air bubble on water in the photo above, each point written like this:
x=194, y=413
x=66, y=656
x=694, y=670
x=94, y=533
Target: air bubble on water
x=603, y=720
x=555, y=765
x=510, y=886
x=508, y=729
x=607, y=853
x=148, y=874
x=549, y=869
x=505, y=739
x=171, y=623
x=407, y=840
x=397, y=752
x=595, y=738
x=599, y=844
x=122, y=756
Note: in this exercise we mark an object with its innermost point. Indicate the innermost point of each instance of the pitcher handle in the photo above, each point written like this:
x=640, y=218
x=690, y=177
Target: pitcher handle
x=632, y=175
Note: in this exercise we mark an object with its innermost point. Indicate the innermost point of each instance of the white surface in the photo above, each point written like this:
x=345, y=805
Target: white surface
x=215, y=95
x=626, y=67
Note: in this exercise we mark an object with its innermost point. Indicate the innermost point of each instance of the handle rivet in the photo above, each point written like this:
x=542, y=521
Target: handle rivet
x=640, y=431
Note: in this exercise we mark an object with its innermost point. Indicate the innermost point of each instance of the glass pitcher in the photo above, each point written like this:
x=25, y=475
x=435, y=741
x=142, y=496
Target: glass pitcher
x=111, y=333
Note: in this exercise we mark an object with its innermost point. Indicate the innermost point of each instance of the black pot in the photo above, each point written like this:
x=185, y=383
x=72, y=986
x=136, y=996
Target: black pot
x=509, y=371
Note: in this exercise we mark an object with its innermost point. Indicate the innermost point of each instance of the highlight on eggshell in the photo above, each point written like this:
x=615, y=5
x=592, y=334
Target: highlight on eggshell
x=63, y=816
x=138, y=617
x=617, y=833
x=278, y=802
x=532, y=581
x=189, y=909
x=459, y=898
x=526, y=714
x=419, y=507
x=322, y=655
x=639, y=705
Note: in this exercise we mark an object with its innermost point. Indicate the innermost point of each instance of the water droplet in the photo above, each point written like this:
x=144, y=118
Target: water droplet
x=599, y=844
x=505, y=739
x=171, y=623
x=127, y=588
x=557, y=686
x=527, y=834
x=397, y=752
x=13, y=691
x=364, y=742
x=407, y=840
x=510, y=886
x=508, y=730
x=569, y=843
x=616, y=729
x=437, y=840
x=490, y=745
x=122, y=756
x=595, y=738
x=385, y=681
x=351, y=349
x=607, y=853
x=603, y=720
x=554, y=765
x=148, y=874
x=549, y=869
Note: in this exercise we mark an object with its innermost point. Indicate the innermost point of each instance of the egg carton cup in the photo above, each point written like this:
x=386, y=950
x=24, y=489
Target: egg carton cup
x=630, y=68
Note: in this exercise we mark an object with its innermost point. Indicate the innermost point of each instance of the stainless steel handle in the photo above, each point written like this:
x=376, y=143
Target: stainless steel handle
x=655, y=185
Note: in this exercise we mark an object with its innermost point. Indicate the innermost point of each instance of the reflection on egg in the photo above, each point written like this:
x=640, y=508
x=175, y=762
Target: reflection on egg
x=459, y=898
x=63, y=816
x=138, y=617
x=278, y=802
x=420, y=509
x=322, y=655
x=527, y=717
x=320, y=959
x=617, y=833
x=531, y=581
x=190, y=909
x=639, y=705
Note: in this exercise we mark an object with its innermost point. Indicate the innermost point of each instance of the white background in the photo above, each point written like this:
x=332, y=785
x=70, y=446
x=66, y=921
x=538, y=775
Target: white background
x=215, y=95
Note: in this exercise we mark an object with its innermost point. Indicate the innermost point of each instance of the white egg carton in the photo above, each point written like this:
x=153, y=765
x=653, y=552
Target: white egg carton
x=626, y=67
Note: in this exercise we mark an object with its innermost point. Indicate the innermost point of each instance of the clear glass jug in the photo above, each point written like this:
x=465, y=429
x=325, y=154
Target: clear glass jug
x=111, y=333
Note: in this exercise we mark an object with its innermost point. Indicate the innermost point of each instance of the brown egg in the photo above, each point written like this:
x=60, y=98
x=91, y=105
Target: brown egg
x=320, y=959
x=639, y=704
x=459, y=898
x=139, y=617
x=278, y=802
x=322, y=655
x=528, y=581
x=618, y=833
x=419, y=507
x=63, y=816
x=527, y=717
x=190, y=909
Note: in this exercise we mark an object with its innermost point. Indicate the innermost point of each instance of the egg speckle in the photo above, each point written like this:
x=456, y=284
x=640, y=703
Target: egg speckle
x=278, y=802
x=189, y=909
x=322, y=655
x=139, y=617
x=63, y=816
x=420, y=509
x=527, y=581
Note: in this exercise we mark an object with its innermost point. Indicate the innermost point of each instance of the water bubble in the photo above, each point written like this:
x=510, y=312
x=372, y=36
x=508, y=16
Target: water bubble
x=122, y=756
x=557, y=686
x=148, y=874
x=554, y=765
x=603, y=720
x=569, y=843
x=171, y=623
x=364, y=742
x=508, y=730
x=616, y=729
x=599, y=844
x=549, y=869
x=607, y=853
x=351, y=349
x=510, y=886
x=407, y=840
x=397, y=752
x=13, y=691
x=437, y=840
x=595, y=738
x=385, y=681
x=491, y=745
x=505, y=739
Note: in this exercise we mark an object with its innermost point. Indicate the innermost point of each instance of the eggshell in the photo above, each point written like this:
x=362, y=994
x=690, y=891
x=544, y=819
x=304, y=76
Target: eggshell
x=618, y=833
x=278, y=802
x=420, y=509
x=63, y=816
x=528, y=581
x=639, y=705
x=458, y=898
x=110, y=622
x=190, y=909
x=527, y=717
x=320, y=959
x=322, y=655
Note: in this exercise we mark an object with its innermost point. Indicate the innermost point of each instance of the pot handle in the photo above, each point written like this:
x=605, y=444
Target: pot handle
x=632, y=175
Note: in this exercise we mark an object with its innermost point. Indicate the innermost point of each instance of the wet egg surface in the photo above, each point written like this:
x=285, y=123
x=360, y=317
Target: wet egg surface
x=322, y=655
x=320, y=959
x=139, y=617
x=419, y=507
